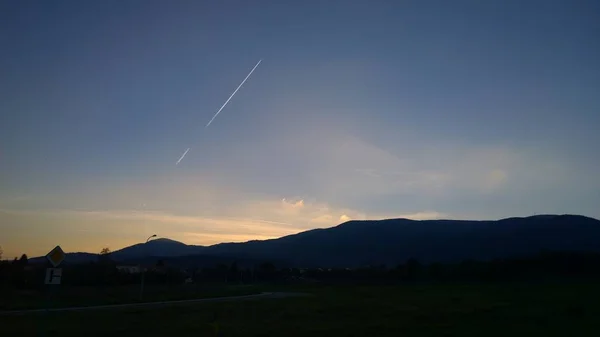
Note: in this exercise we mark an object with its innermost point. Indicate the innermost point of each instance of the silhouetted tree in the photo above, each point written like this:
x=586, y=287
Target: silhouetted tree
x=106, y=267
x=266, y=271
x=104, y=256
x=17, y=271
x=234, y=272
x=234, y=267
x=267, y=267
x=222, y=271
x=1, y=252
x=23, y=260
x=413, y=269
x=436, y=271
x=4, y=271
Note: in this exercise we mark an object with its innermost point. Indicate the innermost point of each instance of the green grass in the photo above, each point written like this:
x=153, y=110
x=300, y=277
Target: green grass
x=499, y=310
x=58, y=296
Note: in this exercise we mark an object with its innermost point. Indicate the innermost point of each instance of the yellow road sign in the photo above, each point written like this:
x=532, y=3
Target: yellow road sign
x=56, y=256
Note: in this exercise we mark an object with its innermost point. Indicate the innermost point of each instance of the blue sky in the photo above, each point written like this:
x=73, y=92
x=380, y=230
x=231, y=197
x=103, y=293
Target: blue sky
x=359, y=110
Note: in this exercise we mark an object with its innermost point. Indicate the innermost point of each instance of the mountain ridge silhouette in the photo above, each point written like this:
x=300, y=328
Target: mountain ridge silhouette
x=391, y=241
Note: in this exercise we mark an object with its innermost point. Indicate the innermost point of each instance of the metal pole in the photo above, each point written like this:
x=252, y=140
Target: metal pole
x=143, y=271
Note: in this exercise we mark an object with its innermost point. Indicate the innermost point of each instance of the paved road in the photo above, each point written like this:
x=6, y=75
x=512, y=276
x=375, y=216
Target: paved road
x=158, y=304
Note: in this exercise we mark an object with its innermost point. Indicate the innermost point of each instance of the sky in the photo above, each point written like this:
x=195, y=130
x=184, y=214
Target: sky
x=359, y=110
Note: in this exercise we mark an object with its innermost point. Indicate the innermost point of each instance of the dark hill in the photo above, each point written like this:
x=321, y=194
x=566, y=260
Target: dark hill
x=157, y=247
x=359, y=243
x=356, y=243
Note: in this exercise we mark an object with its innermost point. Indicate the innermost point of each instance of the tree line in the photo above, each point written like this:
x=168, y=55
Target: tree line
x=550, y=266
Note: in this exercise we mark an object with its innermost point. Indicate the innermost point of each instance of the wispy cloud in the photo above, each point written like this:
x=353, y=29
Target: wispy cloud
x=330, y=178
x=344, y=218
x=252, y=220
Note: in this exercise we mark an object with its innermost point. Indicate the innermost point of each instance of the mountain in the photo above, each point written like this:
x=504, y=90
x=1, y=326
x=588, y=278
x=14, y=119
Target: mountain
x=392, y=241
x=161, y=247
x=71, y=258
x=158, y=247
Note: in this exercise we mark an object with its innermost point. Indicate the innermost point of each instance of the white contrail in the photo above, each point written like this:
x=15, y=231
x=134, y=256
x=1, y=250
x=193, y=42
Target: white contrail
x=224, y=104
x=236, y=90
x=183, y=155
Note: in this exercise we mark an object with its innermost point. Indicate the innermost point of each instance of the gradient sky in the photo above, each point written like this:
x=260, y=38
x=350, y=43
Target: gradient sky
x=359, y=110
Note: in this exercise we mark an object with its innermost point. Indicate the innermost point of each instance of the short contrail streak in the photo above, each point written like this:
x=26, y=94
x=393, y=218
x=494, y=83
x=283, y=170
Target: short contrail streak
x=183, y=155
x=236, y=90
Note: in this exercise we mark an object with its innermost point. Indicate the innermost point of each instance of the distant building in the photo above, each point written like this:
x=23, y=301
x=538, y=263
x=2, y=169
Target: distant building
x=129, y=269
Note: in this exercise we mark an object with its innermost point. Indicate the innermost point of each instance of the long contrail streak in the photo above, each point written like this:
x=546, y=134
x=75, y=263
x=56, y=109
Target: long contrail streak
x=236, y=90
x=183, y=155
x=224, y=104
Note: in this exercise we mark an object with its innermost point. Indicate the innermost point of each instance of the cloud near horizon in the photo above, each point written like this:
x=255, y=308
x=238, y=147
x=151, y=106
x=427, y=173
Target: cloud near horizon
x=216, y=206
x=254, y=220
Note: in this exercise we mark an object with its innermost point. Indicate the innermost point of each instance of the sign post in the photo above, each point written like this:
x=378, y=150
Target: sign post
x=56, y=256
x=53, y=275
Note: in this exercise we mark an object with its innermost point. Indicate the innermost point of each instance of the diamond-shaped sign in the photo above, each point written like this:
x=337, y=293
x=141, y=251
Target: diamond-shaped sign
x=56, y=256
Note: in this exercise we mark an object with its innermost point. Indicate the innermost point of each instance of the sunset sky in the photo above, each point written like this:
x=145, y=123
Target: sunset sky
x=359, y=110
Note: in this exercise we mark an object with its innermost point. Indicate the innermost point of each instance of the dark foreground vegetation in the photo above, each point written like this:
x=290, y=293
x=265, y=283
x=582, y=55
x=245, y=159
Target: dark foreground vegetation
x=350, y=310
x=552, y=294
x=106, y=282
x=19, y=274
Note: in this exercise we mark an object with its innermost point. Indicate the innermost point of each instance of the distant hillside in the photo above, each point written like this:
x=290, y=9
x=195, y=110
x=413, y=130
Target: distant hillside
x=158, y=247
x=71, y=258
x=392, y=241
x=359, y=243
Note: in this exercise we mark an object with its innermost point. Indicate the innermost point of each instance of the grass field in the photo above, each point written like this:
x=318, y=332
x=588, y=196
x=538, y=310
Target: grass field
x=482, y=310
x=58, y=296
